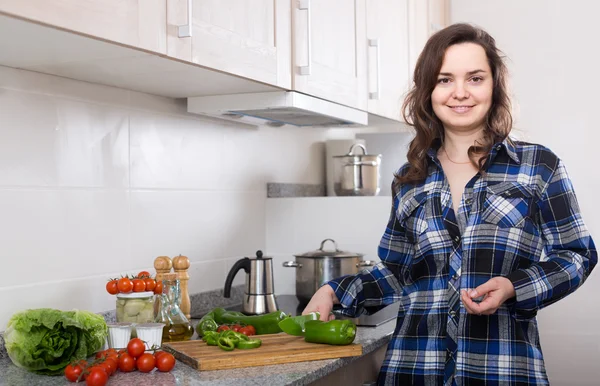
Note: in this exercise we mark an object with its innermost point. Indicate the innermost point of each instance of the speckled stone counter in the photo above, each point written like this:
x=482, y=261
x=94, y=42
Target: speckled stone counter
x=301, y=373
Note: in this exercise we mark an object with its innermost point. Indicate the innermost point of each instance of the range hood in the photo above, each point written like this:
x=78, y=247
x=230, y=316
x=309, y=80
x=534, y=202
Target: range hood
x=277, y=108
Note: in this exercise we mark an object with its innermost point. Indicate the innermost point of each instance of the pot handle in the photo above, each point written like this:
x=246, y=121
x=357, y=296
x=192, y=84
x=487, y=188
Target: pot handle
x=365, y=263
x=332, y=240
x=292, y=264
x=357, y=145
x=361, y=163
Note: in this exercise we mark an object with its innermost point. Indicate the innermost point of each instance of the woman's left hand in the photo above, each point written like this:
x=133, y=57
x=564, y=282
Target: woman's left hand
x=494, y=291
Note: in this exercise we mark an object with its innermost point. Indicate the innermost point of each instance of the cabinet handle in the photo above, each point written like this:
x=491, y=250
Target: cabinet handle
x=375, y=43
x=185, y=31
x=304, y=5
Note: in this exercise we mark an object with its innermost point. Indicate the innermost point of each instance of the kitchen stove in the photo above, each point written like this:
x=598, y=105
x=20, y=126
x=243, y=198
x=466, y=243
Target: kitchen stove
x=291, y=305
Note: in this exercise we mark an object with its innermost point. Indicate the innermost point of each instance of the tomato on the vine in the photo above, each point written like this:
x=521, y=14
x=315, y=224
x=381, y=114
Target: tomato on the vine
x=150, y=284
x=139, y=285
x=74, y=370
x=126, y=363
x=136, y=347
x=96, y=377
x=112, y=288
x=145, y=363
x=165, y=362
x=158, y=288
x=223, y=327
x=236, y=327
x=247, y=330
x=125, y=285
x=143, y=274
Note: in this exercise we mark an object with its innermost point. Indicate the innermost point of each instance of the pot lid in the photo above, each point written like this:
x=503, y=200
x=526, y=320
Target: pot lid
x=329, y=253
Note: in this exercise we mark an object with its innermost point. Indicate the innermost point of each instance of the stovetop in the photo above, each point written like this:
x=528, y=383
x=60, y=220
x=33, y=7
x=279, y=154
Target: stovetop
x=291, y=305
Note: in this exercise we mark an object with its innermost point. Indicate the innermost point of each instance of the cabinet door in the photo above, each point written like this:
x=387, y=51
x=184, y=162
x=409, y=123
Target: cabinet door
x=249, y=38
x=425, y=18
x=136, y=23
x=330, y=50
x=388, y=62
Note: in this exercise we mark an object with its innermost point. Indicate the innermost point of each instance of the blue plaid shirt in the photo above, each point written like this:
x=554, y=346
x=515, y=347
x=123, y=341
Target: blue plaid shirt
x=520, y=220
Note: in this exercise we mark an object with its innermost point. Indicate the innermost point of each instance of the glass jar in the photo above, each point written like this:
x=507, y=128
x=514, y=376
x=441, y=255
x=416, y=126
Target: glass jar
x=177, y=326
x=135, y=307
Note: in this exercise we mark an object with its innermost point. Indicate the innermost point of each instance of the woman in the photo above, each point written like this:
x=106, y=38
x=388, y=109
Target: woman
x=484, y=231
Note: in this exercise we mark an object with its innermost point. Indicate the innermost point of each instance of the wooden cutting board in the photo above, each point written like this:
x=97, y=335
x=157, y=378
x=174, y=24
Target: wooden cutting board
x=275, y=349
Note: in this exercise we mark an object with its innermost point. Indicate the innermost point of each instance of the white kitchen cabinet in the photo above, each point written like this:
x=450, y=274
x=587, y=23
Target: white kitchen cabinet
x=329, y=54
x=248, y=38
x=135, y=23
x=425, y=17
x=388, y=59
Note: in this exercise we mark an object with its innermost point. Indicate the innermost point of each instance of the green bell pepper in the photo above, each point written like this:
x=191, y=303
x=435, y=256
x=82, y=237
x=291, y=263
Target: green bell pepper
x=264, y=324
x=249, y=344
x=336, y=332
x=226, y=343
x=211, y=337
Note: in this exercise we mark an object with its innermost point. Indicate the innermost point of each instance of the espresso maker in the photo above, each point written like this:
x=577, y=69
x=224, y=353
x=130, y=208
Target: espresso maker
x=258, y=293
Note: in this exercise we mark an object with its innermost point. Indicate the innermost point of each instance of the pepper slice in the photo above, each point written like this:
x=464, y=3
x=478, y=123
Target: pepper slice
x=248, y=344
x=211, y=337
x=226, y=343
x=336, y=332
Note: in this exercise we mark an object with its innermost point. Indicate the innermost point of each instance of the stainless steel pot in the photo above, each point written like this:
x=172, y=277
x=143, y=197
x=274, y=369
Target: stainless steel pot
x=356, y=174
x=315, y=268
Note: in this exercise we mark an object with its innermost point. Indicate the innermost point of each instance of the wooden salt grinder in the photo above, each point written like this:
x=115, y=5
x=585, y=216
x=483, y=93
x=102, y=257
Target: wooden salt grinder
x=181, y=264
x=162, y=264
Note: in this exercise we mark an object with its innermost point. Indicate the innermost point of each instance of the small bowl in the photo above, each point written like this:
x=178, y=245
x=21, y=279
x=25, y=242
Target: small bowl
x=150, y=333
x=119, y=334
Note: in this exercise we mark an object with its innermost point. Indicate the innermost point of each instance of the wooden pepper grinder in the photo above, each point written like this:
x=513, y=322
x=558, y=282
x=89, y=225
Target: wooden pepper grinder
x=181, y=264
x=163, y=265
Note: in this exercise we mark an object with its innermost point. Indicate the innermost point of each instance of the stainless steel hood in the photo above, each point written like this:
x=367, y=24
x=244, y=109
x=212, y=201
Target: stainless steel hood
x=277, y=108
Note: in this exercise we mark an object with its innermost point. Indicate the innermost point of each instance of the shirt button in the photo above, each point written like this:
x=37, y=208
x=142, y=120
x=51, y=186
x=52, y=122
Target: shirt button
x=468, y=201
x=498, y=147
x=455, y=276
x=452, y=313
x=457, y=239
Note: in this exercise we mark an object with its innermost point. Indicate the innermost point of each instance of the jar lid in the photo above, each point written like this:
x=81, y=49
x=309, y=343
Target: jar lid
x=329, y=253
x=135, y=295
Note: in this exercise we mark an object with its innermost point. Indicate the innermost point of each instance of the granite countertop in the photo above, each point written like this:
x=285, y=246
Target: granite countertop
x=301, y=373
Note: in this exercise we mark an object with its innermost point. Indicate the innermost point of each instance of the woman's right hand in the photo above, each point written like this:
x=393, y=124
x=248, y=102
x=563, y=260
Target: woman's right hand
x=322, y=302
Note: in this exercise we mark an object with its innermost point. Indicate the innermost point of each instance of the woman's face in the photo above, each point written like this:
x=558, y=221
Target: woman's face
x=463, y=92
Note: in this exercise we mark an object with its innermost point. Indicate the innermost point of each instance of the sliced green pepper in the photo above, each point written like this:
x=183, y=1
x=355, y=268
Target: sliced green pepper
x=211, y=337
x=208, y=323
x=226, y=343
x=248, y=344
x=264, y=324
x=295, y=325
x=336, y=332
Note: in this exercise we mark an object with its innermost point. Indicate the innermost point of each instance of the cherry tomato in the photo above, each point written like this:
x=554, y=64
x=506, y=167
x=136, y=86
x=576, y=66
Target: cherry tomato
x=157, y=354
x=96, y=377
x=112, y=288
x=223, y=327
x=236, y=327
x=136, y=347
x=112, y=364
x=145, y=363
x=158, y=288
x=247, y=330
x=74, y=370
x=126, y=363
x=143, y=274
x=106, y=367
x=125, y=285
x=111, y=352
x=150, y=284
x=139, y=285
x=165, y=362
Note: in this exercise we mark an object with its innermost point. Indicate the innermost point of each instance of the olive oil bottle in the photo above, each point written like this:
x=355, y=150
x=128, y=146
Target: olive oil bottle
x=177, y=326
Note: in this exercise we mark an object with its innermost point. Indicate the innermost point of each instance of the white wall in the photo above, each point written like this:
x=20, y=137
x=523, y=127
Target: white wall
x=96, y=182
x=552, y=46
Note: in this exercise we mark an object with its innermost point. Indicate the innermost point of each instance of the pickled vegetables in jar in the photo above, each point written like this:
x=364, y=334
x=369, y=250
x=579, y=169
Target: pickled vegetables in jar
x=135, y=307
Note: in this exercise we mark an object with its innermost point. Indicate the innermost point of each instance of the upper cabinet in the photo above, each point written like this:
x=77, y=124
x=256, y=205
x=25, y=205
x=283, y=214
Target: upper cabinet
x=249, y=38
x=132, y=22
x=425, y=17
x=356, y=53
x=387, y=53
x=329, y=54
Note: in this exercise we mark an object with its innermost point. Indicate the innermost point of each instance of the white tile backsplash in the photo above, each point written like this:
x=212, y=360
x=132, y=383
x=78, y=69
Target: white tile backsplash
x=96, y=181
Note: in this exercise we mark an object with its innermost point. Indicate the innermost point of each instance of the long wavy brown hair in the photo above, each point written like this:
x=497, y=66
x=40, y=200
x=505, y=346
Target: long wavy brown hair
x=418, y=112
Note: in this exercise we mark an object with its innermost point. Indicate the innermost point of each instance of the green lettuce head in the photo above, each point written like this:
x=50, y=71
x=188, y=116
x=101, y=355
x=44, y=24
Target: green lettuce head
x=45, y=340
